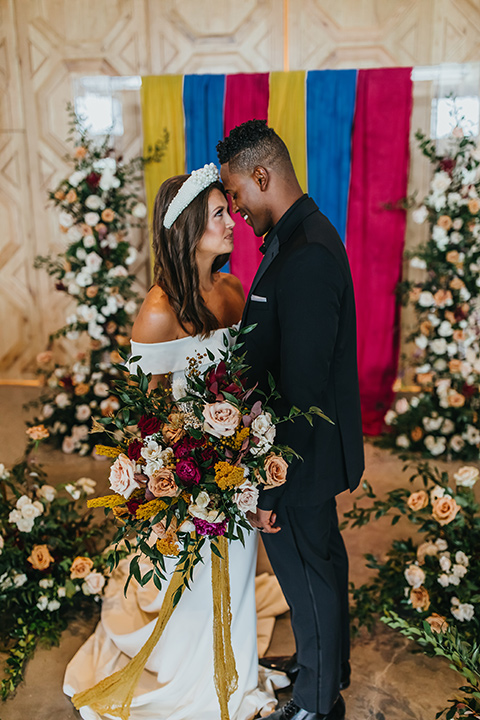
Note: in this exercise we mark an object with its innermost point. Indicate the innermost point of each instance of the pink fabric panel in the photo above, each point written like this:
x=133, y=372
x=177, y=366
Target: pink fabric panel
x=246, y=98
x=375, y=235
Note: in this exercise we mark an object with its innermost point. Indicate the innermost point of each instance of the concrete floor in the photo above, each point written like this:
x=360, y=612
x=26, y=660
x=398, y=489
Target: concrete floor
x=388, y=681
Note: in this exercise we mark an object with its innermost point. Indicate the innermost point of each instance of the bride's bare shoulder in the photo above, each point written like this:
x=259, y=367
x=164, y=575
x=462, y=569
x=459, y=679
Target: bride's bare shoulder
x=233, y=297
x=156, y=321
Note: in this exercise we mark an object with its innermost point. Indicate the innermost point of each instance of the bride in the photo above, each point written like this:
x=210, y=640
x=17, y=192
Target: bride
x=186, y=312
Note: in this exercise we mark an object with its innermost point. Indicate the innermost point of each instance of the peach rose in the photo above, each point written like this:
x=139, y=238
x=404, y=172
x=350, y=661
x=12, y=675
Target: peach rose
x=59, y=195
x=465, y=308
x=109, y=406
x=166, y=534
x=456, y=399
x=426, y=327
x=276, y=471
x=110, y=327
x=162, y=483
x=417, y=500
x=474, y=205
x=37, y=432
x=94, y=583
x=102, y=229
x=452, y=256
x=40, y=558
x=420, y=599
x=221, y=418
x=86, y=229
x=91, y=291
x=80, y=567
x=95, y=344
x=424, y=549
x=122, y=476
x=81, y=389
x=455, y=366
x=173, y=431
x=415, y=293
x=441, y=297
x=424, y=378
x=43, y=358
x=445, y=222
x=450, y=316
x=444, y=509
x=71, y=196
x=437, y=622
x=416, y=434
x=80, y=152
x=122, y=340
x=456, y=283
x=108, y=215
x=458, y=335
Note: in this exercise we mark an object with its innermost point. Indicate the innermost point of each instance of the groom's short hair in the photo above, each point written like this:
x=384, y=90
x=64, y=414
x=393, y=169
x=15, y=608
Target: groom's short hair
x=251, y=144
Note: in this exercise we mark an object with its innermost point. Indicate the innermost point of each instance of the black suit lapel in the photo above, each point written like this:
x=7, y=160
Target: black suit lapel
x=270, y=255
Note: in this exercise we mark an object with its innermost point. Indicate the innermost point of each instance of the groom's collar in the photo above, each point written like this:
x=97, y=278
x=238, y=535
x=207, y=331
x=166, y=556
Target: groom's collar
x=297, y=212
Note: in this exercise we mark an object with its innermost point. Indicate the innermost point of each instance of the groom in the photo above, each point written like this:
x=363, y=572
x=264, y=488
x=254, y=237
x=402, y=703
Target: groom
x=302, y=303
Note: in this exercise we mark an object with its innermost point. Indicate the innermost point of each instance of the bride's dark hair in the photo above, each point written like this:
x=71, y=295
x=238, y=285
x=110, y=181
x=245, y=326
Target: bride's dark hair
x=175, y=269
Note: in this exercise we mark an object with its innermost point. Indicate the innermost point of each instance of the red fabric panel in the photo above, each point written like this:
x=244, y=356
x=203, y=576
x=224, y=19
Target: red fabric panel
x=246, y=98
x=375, y=235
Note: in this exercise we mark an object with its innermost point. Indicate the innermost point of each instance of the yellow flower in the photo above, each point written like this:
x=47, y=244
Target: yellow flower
x=228, y=476
x=167, y=547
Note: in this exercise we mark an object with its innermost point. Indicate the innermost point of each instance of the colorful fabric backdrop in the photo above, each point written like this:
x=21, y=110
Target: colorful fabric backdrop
x=348, y=136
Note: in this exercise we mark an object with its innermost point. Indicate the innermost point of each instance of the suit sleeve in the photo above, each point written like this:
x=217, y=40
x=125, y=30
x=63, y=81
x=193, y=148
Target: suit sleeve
x=309, y=295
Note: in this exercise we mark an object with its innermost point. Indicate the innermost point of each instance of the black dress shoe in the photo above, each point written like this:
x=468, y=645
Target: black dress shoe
x=291, y=711
x=289, y=665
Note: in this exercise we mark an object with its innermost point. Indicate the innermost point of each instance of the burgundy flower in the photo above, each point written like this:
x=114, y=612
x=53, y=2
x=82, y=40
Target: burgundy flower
x=216, y=376
x=149, y=425
x=133, y=506
x=468, y=390
x=447, y=164
x=60, y=286
x=183, y=448
x=133, y=450
x=93, y=179
x=212, y=529
x=188, y=471
x=209, y=455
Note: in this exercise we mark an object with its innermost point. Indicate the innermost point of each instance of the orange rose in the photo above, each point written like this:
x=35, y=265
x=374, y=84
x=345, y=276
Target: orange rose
x=474, y=206
x=465, y=308
x=424, y=378
x=122, y=340
x=458, y=335
x=456, y=283
x=426, y=327
x=173, y=431
x=454, y=366
x=38, y=432
x=452, y=256
x=108, y=215
x=95, y=344
x=81, y=389
x=450, y=316
x=115, y=357
x=437, y=622
x=162, y=483
x=276, y=471
x=91, y=291
x=456, y=399
x=80, y=152
x=420, y=599
x=40, y=558
x=59, y=195
x=416, y=434
x=445, y=222
x=80, y=567
x=110, y=327
x=441, y=297
x=71, y=196
x=417, y=500
x=444, y=509
x=101, y=228
x=86, y=229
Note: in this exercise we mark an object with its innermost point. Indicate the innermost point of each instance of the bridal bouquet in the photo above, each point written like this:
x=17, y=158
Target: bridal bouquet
x=188, y=462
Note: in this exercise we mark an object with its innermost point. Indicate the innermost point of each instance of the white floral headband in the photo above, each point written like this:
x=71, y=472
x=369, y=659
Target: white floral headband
x=193, y=186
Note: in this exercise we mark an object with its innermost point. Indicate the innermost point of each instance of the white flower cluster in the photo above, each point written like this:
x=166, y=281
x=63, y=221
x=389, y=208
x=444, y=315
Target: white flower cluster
x=452, y=572
x=199, y=509
x=25, y=514
x=264, y=431
x=82, y=485
x=155, y=455
x=464, y=612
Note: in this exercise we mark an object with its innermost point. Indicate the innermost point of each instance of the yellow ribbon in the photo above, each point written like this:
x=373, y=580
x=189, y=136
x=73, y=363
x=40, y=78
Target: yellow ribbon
x=114, y=694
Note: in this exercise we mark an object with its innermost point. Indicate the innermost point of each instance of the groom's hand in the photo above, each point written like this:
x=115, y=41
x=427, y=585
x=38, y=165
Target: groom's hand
x=263, y=520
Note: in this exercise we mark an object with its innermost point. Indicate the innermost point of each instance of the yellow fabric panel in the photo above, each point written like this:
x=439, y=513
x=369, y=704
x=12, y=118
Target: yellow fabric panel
x=162, y=107
x=286, y=115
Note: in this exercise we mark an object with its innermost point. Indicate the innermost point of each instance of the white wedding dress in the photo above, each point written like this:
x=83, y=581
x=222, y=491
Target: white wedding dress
x=177, y=683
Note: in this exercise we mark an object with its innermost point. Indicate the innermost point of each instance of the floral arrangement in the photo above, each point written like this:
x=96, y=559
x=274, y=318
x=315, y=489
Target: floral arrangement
x=98, y=203
x=51, y=559
x=432, y=586
x=443, y=418
x=189, y=461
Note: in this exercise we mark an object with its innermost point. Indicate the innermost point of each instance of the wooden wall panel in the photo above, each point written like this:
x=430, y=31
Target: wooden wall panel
x=46, y=44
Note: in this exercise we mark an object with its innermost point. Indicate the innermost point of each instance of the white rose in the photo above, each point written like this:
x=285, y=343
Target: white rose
x=426, y=299
x=435, y=494
x=89, y=241
x=92, y=218
x=118, y=271
x=418, y=263
x=84, y=279
x=139, y=211
x=457, y=443
x=439, y=346
x=53, y=605
x=431, y=424
x=19, y=579
x=246, y=498
x=421, y=341
x=93, y=262
x=390, y=417
x=81, y=253
x=101, y=389
x=61, y=591
x=459, y=571
x=62, y=400
x=436, y=446
x=108, y=180
x=87, y=485
x=82, y=412
x=47, y=411
x=25, y=524
x=94, y=582
x=402, y=441
x=74, y=234
x=68, y=445
x=132, y=256
x=461, y=558
x=440, y=542
x=65, y=219
x=441, y=182
x=454, y=579
x=76, y=178
x=445, y=329
x=46, y=583
x=151, y=450
x=445, y=563
x=448, y=426
x=414, y=402
x=462, y=611
x=42, y=602
x=32, y=511
x=419, y=215
x=203, y=498
x=440, y=364
x=444, y=580
x=466, y=476
x=414, y=575
x=94, y=202
x=73, y=491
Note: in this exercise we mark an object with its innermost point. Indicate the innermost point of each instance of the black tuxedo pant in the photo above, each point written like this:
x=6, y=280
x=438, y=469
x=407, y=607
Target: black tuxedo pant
x=309, y=559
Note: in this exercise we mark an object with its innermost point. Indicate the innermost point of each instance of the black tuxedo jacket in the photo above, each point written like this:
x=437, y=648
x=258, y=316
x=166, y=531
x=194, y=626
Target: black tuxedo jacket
x=303, y=303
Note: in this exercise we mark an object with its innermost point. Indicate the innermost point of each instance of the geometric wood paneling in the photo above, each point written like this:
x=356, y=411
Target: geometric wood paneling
x=46, y=44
